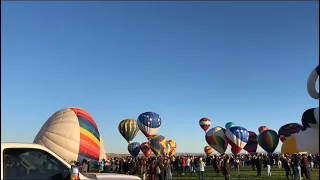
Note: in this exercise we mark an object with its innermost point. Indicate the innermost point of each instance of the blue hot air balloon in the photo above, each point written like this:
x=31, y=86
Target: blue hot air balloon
x=229, y=125
x=134, y=149
x=149, y=123
x=237, y=137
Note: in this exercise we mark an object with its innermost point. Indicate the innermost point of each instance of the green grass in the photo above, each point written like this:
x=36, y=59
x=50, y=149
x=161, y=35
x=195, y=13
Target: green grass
x=245, y=174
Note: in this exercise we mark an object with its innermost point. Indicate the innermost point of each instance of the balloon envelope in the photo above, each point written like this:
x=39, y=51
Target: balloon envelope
x=252, y=144
x=229, y=125
x=237, y=137
x=262, y=128
x=308, y=141
x=134, y=149
x=145, y=149
x=208, y=150
x=216, y=138
x=289, y=146
x=288, y=130
x=128, y=128
x=72, y=134
x=205, y=123
x=149, y=123
x=173, y=147
x=158, y=145
x=268, y=140
x=310, y=119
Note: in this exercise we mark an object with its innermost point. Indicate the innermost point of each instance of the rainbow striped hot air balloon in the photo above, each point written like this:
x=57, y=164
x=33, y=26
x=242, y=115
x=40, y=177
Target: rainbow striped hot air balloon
x=216, y=138
x=72, y=134
x=128, y=128
x=268, y=140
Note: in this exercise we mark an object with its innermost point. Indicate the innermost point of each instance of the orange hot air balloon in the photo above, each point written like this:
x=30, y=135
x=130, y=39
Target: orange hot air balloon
x=208, y=150
x=145, y=149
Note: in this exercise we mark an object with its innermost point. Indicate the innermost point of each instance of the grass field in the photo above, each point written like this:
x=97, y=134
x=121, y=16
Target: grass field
x=245, y=174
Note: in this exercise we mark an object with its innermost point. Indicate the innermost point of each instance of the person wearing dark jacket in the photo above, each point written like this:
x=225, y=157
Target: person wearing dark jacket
x=286, y=167
x=258, y=166
x=305, y=170
x=226, y=168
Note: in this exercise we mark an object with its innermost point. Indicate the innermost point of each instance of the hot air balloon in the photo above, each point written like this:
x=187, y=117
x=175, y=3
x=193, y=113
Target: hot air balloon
x=229, y=125
x=128, y=128
x=216, y=138
x=158, y=145
x=237, y=137
x=145, y=149
x=234, y=151
x=268, y=140
x=168, y=149
x=262, y=128
x=173, y=148
x=208, y=150
x=205, y=123
x=149, y=123
x=72, y=134
x=134, y=149
x=252, y=144
x=288, y=130
x=310, y=119
x=311, y=83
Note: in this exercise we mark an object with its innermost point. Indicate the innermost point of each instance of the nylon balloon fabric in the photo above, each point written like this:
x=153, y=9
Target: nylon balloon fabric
x=158, y=145
x=208, y=150
x=145, y=149
x=72, y=134
x=128, y=128
x=134, y=149
x=268, y=140
x=262, y=128
x=288, y=130
x=229, y=125
x=149, y=123
x=237, y=137
x=205, y=123
x=173, y=147
x=252, y=144
x=216, y=138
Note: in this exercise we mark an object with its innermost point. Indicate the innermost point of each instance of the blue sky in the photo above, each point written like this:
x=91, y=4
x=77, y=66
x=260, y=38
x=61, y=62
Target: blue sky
x=246, y=62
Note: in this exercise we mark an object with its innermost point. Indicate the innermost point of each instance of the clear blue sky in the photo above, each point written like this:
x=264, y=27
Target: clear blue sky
x=246, y=62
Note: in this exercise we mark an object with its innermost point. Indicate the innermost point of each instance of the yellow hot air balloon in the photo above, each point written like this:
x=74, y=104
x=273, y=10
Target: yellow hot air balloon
x=72, y=134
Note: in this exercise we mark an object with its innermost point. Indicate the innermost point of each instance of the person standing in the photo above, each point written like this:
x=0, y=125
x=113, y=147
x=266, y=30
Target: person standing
x=226, y=168
x=258, y=166
x=286, y=167
x=201, y=165
x=268, y=163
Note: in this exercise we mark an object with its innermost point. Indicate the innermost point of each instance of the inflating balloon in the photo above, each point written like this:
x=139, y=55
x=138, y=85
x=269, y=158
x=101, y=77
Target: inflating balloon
x=134, y=149
x=262, y=128
x=216, y=138
x=288, y=130
x=289, y=146
x=252, y=144
x=237, y=137
x=205, y=123
x=310, y=119
x=208, y=150
x=311, y=83
x=145, y=149
x=268, y=140
x=149, y=123
x=128, y=128
x=173, y=147
x=234, y=151
x=72, y=134
x=229, y=125
x=308, y=141
x=158, y=145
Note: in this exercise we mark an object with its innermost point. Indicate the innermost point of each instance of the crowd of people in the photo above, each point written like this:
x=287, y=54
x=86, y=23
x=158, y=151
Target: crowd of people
x=162, y=168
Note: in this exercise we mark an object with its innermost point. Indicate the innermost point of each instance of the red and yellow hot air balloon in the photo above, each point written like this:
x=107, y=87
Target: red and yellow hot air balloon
x=173, y=147
x=145, y=149
x=262, y=128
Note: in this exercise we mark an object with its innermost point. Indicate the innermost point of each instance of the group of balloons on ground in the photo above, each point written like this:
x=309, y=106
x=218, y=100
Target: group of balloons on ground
x=148, y=123
x=296, y=138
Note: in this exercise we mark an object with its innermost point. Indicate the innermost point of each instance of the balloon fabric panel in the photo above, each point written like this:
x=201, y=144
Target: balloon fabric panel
x=149, y=123
x=134, y=149
x=145, y=149
x=128, y=128
x=268, y=140
x=237, y=137
x=89, y=146
x=252, y=143
x=287, y=130
x=158, y=144
x=216, y=138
